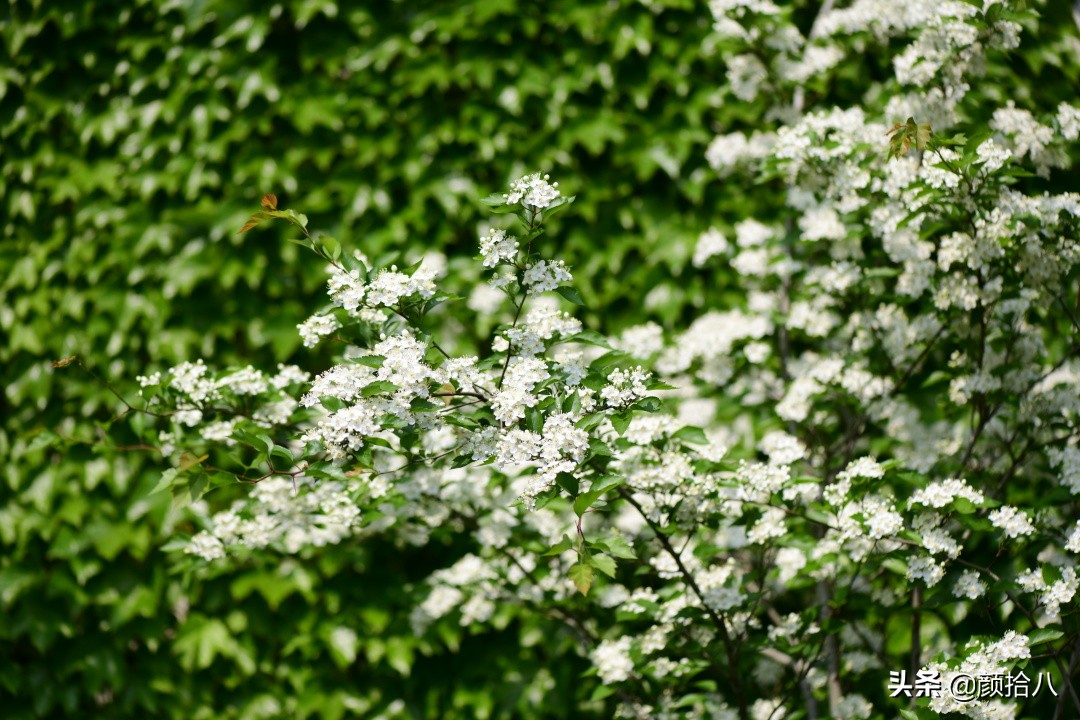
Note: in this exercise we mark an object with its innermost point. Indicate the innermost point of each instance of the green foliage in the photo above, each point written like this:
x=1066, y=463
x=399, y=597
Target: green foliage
x=904, y=136
x=137, y=136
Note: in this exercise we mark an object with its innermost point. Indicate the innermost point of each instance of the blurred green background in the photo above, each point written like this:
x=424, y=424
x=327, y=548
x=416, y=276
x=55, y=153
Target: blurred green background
x=136, y=137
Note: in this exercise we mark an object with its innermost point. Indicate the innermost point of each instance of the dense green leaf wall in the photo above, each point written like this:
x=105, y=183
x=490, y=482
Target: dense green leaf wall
x=136, y=136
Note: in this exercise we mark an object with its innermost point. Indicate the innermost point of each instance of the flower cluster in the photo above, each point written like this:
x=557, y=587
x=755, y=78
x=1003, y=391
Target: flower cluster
x=867, y=423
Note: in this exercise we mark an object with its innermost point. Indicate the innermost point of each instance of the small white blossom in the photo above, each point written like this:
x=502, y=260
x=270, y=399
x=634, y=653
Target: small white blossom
x=1068, y=118
x=969, y=586
x=206, y=546
x=624, y=387
x=317, y=327
x=712, y=242
x=497, y=247
x=926, y=569
x=940, y=494
x=1073, y=543
x=1012, y=521
x=544, y=275
x=612, y=660
x=533, y=191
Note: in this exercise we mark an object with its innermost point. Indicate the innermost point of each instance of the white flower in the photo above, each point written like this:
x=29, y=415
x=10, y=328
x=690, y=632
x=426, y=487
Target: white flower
x=497, y=247
x=782, y=449
x=881, y=520
x=641, y=341
x=543, y=276
x=572, y=366
x=969, y=586
x=148, y=380
x=1061, y=591
x=770, y=525
x=745, y=73
x=712, y=242
x=1073, y=543
x=937, y=540
x=751, y=233
x=624, y=387
x=1067, y=462
x=190, y=379
x=288, y=375
x=940, y=494
x=864, y=467
x=768, y=709
x=533, y=191
x=442, y=600
x=390, y=286
x=992, y=155
x=1068, y=118
x=317, y=327
x=853, y=707
x=789, y=561
x=726, y=152
x=485, y=299
x=1012, y=521
x=822, y=223
x=926, y=569
x=248, y=381
x=612, y=660
x=346, y=289
x=516, y=394
x=220, y=432
x=206, y=546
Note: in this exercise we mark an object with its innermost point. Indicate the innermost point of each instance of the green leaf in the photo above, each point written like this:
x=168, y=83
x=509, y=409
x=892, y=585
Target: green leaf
x=691, y=434
x=258, y=440
x=618, y=546
x=534, y=419
x=600, y=487
x=907, y=134
x=331, y=247
x=378, y=387
x=881, y=272
x=372, y=361
x=168, y=479
x=582, y=576
x=604, y=564
x=919, y=714
x=964, y=506
x=282, y=454
x=343, y=643
x=590, y=337
x=649, y=404
x=422, y=405
x=332, y=404
x=1037, y=637
x=570, y=293
x=567, y=482
x=496, y=203
x=598, y=448
x=620, y=420
x=558, y=206
x=560, y=547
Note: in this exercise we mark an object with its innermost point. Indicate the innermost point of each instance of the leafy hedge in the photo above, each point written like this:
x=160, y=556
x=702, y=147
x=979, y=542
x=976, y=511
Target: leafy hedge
x=137, y=136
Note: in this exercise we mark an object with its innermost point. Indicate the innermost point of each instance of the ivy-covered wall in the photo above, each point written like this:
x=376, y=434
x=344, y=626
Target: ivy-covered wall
x=136, y=137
